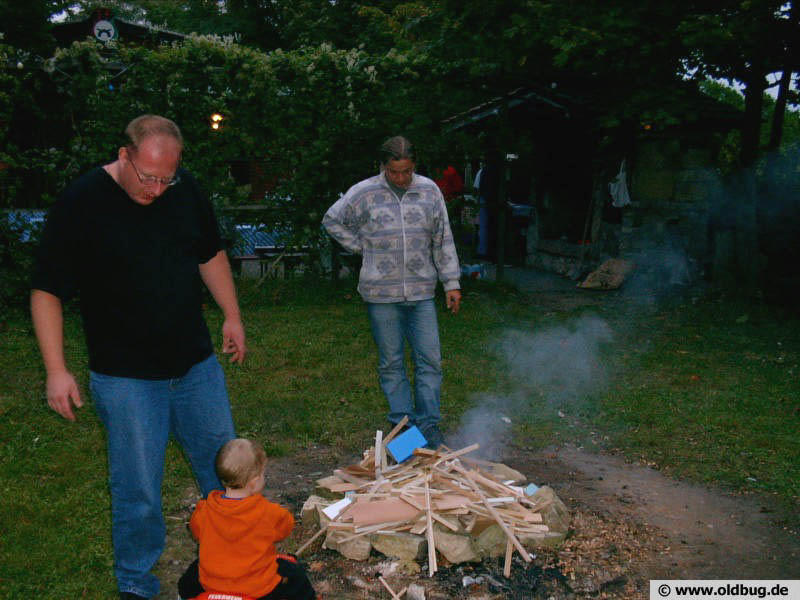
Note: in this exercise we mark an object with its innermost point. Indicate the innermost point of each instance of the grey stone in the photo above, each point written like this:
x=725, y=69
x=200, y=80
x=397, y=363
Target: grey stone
x=322, y=518
x=415, y=592
x=455, y=547
x=491, y=542
x=355, y=549
x=409, y=567
x=308, y=514
x=503, y=472
x=545, y=539
x=404, y=546
x=555, y=515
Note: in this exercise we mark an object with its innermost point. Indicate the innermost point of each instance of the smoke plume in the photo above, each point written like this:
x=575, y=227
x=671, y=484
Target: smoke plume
x=556, y=368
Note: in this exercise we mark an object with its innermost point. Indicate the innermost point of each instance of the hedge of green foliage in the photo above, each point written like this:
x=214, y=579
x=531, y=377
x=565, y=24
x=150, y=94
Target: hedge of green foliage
x=313, y=117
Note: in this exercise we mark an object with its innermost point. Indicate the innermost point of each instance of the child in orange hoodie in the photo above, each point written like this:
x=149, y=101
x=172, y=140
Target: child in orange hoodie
x=237, y=530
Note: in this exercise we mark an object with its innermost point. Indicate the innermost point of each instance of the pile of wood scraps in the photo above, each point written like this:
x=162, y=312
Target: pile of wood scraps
x=435, y=502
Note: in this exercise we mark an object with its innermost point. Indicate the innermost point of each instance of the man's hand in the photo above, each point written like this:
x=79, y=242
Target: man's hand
x=233, y=340
x=453, y=300
x=63, y=393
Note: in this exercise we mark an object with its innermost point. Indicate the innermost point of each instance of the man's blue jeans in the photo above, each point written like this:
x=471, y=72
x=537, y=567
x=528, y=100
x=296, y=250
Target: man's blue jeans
x=392, y=325
x=139, y=415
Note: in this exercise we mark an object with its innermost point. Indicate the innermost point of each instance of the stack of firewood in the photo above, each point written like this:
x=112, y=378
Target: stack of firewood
x=443, y=500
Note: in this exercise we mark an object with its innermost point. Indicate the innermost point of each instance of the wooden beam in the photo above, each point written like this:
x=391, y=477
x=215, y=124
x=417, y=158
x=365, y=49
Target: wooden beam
x=396, y=430
x=432, y=566
x=457, y=453
x=302, y=548
x=525, y=554
x=390, y=590
x=379, y=462
x=509, y=554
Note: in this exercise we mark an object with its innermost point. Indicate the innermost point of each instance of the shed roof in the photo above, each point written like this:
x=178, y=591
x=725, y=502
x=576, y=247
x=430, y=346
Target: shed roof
x=69, y=31
x=686, y=104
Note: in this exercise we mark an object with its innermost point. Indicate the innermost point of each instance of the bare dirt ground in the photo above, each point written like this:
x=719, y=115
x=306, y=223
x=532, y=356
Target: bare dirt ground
x=630, y=524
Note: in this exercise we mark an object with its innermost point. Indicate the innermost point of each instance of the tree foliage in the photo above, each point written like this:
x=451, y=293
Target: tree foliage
x=315, y=115
x=310, y=88
x=742, y=41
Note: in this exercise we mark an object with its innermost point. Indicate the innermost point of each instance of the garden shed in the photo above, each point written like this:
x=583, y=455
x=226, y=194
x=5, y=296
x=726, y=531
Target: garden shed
x=551, y=154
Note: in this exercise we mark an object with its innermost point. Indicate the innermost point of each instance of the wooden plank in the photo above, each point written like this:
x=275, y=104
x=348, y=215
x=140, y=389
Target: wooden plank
x=383, y=511
x=424, y=452
x=395, y=430
x=334, y=510
x=432, y=567
x=413, y=501
x=511, y=516
x=376, y=485
x=388, y=589
x=341, y=526
x=457, y=511
x=469, y=522
x=449, y=501
x=348, y=478
x=533, y=528
x=525, y=554
x=378, y=450
x=500, y=500
x=359, y=471
x=419, y=527
x=525, y=514
x=409, y=478
x=457, y=453
x=302, y=548
x=537, y=506
x=460, y=490
x=327, y=482
x=360, y=531
x=509, y=554
x=492, y=484
x=390, y=526
x=344, y=487
x=438, y=518
x=384, y=459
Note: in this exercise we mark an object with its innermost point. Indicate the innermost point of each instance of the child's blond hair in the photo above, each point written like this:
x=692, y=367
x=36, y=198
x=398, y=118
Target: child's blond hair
x=239, y=461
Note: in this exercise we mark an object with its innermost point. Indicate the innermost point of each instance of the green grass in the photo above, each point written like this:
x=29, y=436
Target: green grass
x=696, y=389
x=715, y=397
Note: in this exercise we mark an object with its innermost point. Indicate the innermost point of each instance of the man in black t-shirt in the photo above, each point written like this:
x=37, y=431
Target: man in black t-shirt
x=135, y=240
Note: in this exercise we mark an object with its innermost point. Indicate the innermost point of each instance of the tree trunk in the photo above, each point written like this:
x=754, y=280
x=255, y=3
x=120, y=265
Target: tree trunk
x=745, y=259
x=776, y=133
x=753, y=105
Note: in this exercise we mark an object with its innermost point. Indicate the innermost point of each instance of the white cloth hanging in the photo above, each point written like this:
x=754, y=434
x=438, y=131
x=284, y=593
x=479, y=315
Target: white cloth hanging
x=619, y=188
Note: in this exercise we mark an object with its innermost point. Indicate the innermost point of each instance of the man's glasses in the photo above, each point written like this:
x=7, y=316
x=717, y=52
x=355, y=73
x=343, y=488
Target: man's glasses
x=152, y=179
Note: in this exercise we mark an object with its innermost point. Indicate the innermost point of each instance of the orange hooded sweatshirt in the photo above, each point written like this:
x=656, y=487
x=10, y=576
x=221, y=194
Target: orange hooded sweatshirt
x=237, y=542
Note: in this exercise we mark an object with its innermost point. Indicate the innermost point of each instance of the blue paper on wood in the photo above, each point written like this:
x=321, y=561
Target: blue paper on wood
x=403, y=446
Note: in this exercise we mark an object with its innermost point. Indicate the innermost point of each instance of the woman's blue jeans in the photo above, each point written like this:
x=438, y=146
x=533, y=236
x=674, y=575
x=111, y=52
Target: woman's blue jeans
x=393, y=324
x=139, y=415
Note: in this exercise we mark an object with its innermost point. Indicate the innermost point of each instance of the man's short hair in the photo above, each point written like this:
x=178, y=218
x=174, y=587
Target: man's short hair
x=397, y=148
x=145, y=126
x=239, y=461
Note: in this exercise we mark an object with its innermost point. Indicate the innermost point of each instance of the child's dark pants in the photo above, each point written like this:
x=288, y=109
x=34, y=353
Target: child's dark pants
x=295, y=584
